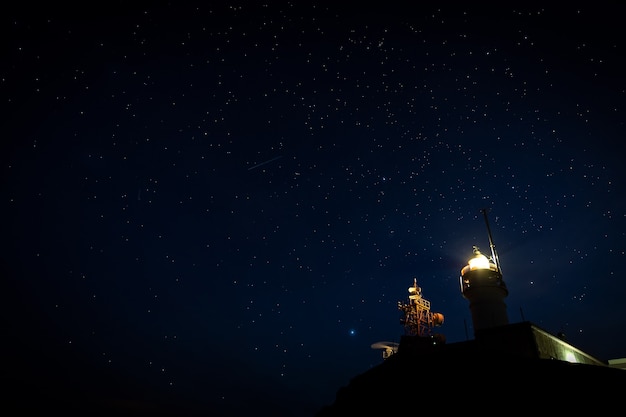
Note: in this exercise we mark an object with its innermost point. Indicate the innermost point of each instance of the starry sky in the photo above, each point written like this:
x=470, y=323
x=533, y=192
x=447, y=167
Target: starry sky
x=218, y=205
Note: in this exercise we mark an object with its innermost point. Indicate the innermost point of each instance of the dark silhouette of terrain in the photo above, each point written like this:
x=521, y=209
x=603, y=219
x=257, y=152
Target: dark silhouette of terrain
x=451, y=378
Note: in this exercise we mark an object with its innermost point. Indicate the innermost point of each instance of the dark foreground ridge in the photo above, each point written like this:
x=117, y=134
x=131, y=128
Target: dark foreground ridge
x=485, y=381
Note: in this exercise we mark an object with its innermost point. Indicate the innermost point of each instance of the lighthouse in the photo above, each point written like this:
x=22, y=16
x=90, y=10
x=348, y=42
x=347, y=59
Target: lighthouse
x=482, y=285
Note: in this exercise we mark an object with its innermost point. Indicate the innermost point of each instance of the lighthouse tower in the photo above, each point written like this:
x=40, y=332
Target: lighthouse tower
x=482, y=284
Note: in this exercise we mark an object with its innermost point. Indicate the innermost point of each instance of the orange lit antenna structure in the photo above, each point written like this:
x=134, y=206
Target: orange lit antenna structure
x=418, y=320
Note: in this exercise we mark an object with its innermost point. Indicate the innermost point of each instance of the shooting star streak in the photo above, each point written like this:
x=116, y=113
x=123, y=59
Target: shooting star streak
x=264, y=162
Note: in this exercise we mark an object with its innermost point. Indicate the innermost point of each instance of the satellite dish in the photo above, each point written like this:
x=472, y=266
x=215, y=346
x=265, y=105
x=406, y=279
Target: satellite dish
x=388, y=348
x=385, y=345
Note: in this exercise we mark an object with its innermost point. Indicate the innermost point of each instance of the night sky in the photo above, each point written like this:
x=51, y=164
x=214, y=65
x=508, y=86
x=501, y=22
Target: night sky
x=218, y=205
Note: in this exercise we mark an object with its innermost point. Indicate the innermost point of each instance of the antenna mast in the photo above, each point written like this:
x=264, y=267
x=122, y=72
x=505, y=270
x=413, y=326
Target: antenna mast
x=491, y=244
x=418, y=320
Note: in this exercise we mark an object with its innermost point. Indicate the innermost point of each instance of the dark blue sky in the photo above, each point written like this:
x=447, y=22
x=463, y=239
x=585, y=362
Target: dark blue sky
x=219, y=206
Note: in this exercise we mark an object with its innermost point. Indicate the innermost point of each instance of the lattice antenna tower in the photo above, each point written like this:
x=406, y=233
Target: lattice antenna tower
x=417, y=319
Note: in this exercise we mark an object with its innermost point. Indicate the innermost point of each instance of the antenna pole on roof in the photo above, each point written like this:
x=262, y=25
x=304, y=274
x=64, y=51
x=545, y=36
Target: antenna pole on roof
x=494, y=256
